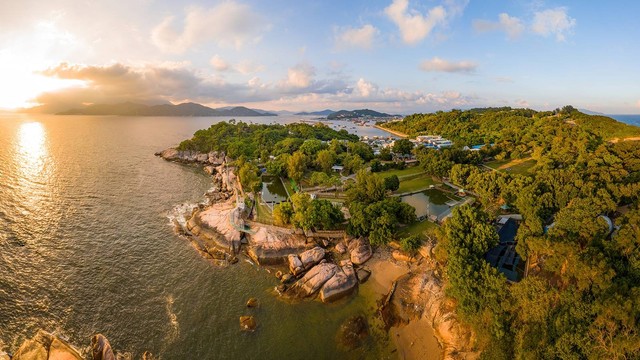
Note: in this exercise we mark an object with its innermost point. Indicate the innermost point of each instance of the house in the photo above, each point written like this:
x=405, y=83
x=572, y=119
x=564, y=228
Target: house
x=504, y=256
x=337, y=168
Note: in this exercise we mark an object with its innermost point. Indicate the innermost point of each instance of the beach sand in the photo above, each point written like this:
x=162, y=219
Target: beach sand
x=416, y=340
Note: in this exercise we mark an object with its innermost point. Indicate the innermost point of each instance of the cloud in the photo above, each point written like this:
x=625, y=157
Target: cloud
x=300, y=76
x=219, y=64
x=440, y=65
x=511, y=25
x=553, y=22
x=413, y=25
x=349, y=37
x=229, y=24
x=638, y=104
x=365, y=88
x=504, y=79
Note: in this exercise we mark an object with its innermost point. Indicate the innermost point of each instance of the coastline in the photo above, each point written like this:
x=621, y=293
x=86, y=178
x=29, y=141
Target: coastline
x=393, y=132
x=429, y=329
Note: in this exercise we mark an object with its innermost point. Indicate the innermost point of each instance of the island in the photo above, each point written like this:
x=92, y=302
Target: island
x=184, y=109
x=518, y=228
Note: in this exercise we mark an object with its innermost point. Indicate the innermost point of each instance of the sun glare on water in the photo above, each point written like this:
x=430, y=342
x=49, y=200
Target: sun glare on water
x=32, y=149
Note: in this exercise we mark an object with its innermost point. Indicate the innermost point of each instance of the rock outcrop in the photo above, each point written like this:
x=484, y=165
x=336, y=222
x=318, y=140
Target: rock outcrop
x=101, y=349
x=341, y=284
x=214, y=158
x=360, y=251
x=219, y=225
x=307, y=259
x=270, y=245
x=313, y=280
x=45, y=346
x=248, y=323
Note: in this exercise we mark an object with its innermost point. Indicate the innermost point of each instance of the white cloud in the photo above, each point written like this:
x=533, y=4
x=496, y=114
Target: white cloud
x=300, y=76
x=553, y=22
x=440, y=65
x=522, y=103
x=365, y=88
x=219, y=64
x=362, y=37
x=413, y=25
x=511, y=25
x=226, y=24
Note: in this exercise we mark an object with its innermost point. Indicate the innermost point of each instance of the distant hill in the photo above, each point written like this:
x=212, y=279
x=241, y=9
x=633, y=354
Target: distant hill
x=346, y=114
x=184, y=109
x=590, y=112
x=316, y=113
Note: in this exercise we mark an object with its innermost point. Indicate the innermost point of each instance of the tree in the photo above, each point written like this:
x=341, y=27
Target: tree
x=352, y=163
x=411, y=243
x=278, y=166
x=319, y=178
x=315, y=214
x=361, y=149
x=283, y=213
x=368, y=188
x=385, y=154
x=402, y=146
x=311, y=147
x=325, y=159
x=376, y=165
x=296, y=166
x=392, y=183
x=249, y=178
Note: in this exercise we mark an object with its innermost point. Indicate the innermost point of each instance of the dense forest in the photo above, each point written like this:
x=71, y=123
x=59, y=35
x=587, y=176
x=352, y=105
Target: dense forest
x=581, y=296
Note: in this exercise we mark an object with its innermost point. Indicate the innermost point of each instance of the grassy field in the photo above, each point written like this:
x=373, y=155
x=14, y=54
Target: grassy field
x=516, y=166
x=287, y=184
x=263, y=213
x=410, y=171
x=417, y=228
x=415, y=184
x=496, y=164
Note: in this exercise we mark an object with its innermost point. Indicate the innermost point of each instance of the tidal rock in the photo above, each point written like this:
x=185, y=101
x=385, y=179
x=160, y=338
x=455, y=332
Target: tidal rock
x=311, y=257
x=313, y=280
x=341, y=247
x=252, y=302
x=281, y=288
x=101, y=349
x=248, y=323
x=279, y=274
x=360, y=251
x=341, y=284
x=233, y=260
x=287, y=278
x=363, y=275
x=353, y=332
x=295, y=264
x=148, y=356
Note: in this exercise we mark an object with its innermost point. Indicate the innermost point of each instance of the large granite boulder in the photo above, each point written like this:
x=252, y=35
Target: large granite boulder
x=341, y=284
x=101, y=349
x=216, y=158
x=295, y=264
x=270, y=245
x=360, y=251
x=313, y=280
x=248, y=323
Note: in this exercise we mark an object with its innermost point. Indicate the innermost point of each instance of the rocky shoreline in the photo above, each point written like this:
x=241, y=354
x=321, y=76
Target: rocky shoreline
x=324, y=268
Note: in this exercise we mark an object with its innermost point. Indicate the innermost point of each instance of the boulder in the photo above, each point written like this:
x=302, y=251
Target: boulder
x=295, y=264
x=270, y=245
x=341, y=284
x=279, y=274
x=148, y=356
x=45, y=346
x=341, y=247
x=202, y=158
x=101, y=349
x=402, y=256
x=215, y=158
x=286, y=278
x=363, y=275
x=248, y=323
x=252, y=302
x=313, y=280
x=311, y=257
x=360, y=251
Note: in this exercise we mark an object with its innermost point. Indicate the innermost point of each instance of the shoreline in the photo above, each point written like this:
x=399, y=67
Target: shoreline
x=432, y=328
x=393, y=132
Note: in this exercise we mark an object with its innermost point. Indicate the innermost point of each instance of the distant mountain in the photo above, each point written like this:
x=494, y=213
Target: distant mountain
x=589, y=112
x=345, y=114
x=316, y=113
x=184, y=109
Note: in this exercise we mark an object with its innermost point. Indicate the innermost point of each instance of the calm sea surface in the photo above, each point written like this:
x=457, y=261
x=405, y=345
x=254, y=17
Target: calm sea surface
x=86, y=247
x=629, y=119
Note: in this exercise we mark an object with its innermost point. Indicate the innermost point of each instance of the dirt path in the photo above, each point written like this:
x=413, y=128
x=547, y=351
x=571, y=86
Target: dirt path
x=615, y=140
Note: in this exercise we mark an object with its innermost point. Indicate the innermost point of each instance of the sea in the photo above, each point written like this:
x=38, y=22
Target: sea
x=87, y=246
x=628, y=119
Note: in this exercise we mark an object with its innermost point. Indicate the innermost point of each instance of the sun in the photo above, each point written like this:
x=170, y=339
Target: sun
x=20, y=83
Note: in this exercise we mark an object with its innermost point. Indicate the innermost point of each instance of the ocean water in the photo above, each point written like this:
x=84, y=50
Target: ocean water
x=86, y=247
x=628, y=119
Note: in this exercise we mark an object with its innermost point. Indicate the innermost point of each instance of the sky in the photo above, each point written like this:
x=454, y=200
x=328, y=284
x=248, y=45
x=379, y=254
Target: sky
x=399, y=56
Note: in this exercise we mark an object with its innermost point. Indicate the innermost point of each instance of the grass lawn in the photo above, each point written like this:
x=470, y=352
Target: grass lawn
x=417, y=228
x=415, y=184
x=287, y=184
x=263, y=213
x=496, y=164
x=414, y=170
x=521, y=168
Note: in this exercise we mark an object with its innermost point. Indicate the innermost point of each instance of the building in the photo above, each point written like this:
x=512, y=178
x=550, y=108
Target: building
x=504, y=256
